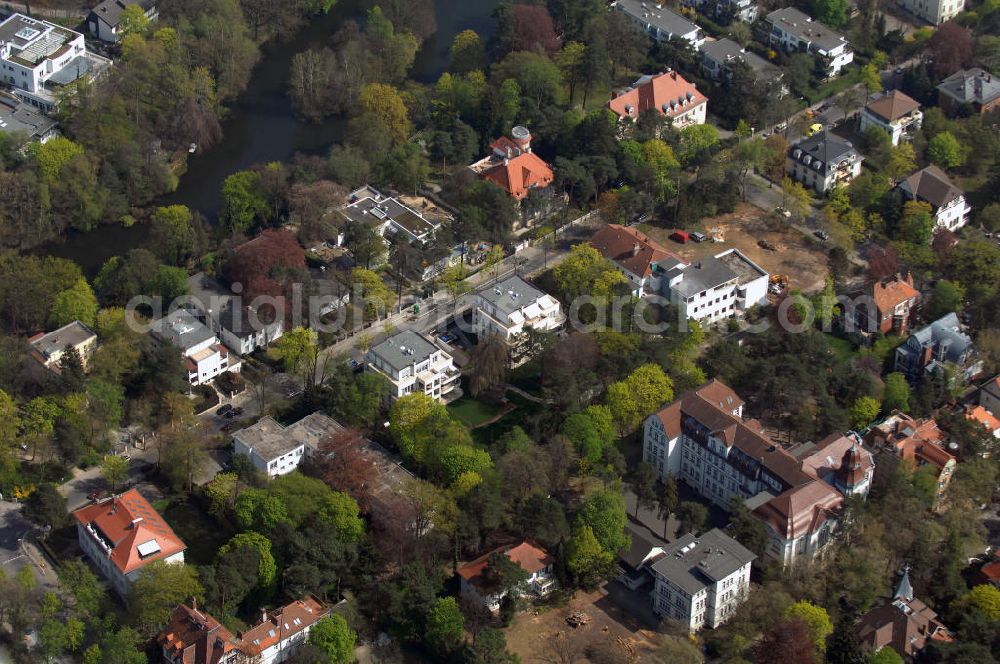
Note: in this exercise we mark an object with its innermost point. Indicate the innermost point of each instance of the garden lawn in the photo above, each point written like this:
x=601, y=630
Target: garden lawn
x=842, y=348
x=471, y=412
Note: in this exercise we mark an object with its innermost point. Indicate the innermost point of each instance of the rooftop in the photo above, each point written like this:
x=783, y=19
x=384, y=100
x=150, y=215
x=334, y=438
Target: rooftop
x=824, y=147
x=529, y=557
x=511, y=294
x=945, y=333
x=369, y=206
x=632, y=250
x=182, y=329
x=971, y=86
x=17, y=117
x=194, y=637
x=669, y=93
x=695, y=562
x=29, y=41
x=703, y=275
x=55, y=342
x=795, y=22
x=656, y=15
x=725, y=51
x=133, y=533
x=892, y=105
x=270, y=440
x=404, y=349
x=890, y=293
x=110, y=11
x=282, y=624
x=931, y=184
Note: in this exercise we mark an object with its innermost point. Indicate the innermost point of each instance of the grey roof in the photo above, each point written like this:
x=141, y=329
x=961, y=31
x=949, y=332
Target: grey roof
x=110, y=11
x=72, y=334
x=77, y=68
x=904, y=590
x=403, y=349
x=643, y=542
x=971, y=86
x=269, y=440
x=702, y=275
x=369, y=206
x=725, y=51
x=946, y=333
x=17, y=117
x=182, y=330
x=933, y=185
x=797, y=23
x=239, y=322
x=695, y=562
x=824, y=146
x=511, y=294
x=663, y=18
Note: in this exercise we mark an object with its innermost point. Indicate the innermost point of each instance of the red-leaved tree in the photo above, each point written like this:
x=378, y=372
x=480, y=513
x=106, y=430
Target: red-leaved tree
x=786, y=641
x=345, y=464
x=951, y=48
x=533, y=29
x=265, y=264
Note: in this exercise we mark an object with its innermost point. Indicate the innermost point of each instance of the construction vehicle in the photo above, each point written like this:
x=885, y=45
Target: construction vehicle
x=577, y=619
x=779, y=282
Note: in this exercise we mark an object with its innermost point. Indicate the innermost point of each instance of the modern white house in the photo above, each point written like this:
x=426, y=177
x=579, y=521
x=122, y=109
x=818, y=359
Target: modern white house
x=934, y=12
x=389, y=216
x=275, y=449
x=205, y=357
x=703, y=440
x=948, y=203
x=475, y=583
x=245, y=330
x=796, y=32
x=104, y=20
x=894, y=112
x=659, y=22
x=412, y=363
x=702, y=579
x=823, y=161
x=512, y=305
x=714, y=288
x=49, y=347
x=36, y=55
x=123, y=534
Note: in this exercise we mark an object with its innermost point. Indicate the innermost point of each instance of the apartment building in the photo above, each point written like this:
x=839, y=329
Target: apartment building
x=916, y=442
x=49, y=347
x=104, y=20
x=713, y=288
x=725, y=12
x=894, y=112
x=508, y=307
x=205, y=357
x=934, y=12
x=701, y=579
x=703, y=439
x=796, y=32
x=412, y=363
x=476, y=585
x=823, y=161
x=275, y=449
x=659, y=22
x=635, y=254
x=974, y=89
x=512, y=166
x=935, y=346
x=720, y=56
x=668, y=93
x=389, y=216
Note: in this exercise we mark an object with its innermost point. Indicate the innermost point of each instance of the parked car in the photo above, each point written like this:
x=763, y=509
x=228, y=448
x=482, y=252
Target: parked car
x=698, y=237
x=448, y=338
x=356, y=367
x=224, y=410
x=814, y=129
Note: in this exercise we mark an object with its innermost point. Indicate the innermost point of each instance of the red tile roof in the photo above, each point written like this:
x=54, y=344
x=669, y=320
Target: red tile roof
x=519, y=174
x=800, y=510
x=127, y=522
x=984, y=417
x=283, y=623
x=193, y=637
x=632, y=250
x=531, y=558
x=912, y=439
x=668, y=90
x=889, y=294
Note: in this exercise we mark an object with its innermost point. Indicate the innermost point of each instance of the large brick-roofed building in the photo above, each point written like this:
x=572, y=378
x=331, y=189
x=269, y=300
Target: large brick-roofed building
x=668, y=94
x=512, y=166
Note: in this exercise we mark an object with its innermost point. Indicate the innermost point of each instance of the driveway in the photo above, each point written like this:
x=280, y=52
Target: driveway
x=17, y=549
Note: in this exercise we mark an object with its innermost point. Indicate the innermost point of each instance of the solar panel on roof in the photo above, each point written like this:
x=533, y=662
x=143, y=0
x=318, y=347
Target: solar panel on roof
x=148, y=548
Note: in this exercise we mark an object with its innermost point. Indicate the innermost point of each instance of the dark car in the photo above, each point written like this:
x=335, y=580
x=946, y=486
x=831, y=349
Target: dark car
x=356, y=367
x=448, y=338
x=224, y=410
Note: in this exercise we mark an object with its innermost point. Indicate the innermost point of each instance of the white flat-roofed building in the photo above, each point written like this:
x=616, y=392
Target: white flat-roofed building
x=510, y=306
x=48, y=348
x=796, y=32
x=702, y=579
x=275, y=449
x=659, y=22
x=36, y=53
x=412, y=363
x=713, y=288
x=205, y=357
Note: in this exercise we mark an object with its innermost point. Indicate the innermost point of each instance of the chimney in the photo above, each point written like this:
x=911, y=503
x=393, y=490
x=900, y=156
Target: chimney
x=635, y=248
x=194, y=603
x=263, y=615
x=673, y=75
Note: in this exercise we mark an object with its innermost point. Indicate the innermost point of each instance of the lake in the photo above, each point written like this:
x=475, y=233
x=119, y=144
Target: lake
x=262, y=126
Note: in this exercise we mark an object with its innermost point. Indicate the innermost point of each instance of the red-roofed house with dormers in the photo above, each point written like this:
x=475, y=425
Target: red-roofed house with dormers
x=669, y=94
x=123, y=534
x=512, y=166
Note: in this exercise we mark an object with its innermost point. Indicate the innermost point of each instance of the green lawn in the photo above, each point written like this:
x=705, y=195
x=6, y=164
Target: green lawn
x=471, y=412
x=842, y=348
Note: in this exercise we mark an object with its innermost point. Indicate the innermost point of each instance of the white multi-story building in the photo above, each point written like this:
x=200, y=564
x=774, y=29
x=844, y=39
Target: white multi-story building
x=948, y=204
x=49, y=347
x=934, y=12
x=702, y=439
x=714, y=288
x=896, y=113
x=35, y=53
x=123, y=534
x=796, y=32
x=659, y=22
x=702, y=579
x=277, y=450
x=245, y=330
x=412, y=363
x=509, y=307
x=205, y=357
x=823, y=161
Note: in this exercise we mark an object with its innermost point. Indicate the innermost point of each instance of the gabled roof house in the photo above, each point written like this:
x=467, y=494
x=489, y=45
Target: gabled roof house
x=668, y=93
x=512, y=166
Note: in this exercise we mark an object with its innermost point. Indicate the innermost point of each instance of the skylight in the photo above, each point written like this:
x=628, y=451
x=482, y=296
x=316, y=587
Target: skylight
x=149, y=548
